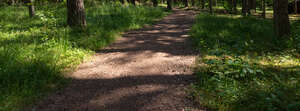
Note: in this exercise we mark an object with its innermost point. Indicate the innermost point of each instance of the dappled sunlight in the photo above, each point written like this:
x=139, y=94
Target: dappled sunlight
x=128, y=92
x=280, y=61
x=242, y=63
x=144, y=69
x=150, y=52
x=294, y=17
x=35, y=53
x=133, y=63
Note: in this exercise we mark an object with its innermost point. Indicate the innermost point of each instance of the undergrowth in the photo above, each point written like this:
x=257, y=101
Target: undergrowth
x=36, y=52
x=243, y=67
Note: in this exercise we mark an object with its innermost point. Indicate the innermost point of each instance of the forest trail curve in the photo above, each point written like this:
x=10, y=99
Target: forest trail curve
x=144, y=70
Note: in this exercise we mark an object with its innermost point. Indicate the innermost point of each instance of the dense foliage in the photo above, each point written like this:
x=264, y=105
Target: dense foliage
x=34, y=52
x=243, y=67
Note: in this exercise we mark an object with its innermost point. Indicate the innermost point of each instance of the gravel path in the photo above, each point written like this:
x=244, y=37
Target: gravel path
x=145, y=70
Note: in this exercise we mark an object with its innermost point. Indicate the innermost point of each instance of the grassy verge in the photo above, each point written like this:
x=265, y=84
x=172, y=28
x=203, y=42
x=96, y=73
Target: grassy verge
x=35, y=52
x=243, y=67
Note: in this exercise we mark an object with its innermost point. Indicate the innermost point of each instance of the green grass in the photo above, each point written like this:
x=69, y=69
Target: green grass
x=243, y=67
x=35, y=53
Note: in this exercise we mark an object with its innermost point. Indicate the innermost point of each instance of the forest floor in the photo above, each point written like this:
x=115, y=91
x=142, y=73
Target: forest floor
x=144, y=70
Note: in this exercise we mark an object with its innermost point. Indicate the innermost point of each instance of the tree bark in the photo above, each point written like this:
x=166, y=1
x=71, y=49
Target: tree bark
x=234, y=10
x=132, y=2
x=281, y=18
x=186, y=4
x=202, y=4
x=230, y=4
x=263, y=8
x=210, y=7
x=155, y=3
x=193, y=2
x=251, y=6
x=169, y=3
x=122, y=1
x=296, y=6
x=76, y=13
x=245, y=7
x=254, y=5
x=30, y=6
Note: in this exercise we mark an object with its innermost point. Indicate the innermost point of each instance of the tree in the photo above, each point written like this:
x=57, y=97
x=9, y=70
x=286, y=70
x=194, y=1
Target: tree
x=245, y=7
x=263, y=6
x=186, y=3
x=202, y=4
x=210, y=7
x=193, y=2
x=281, y=18
x=155, y=3
x=132, y=2
x=122, y=1
x=169, y=3
x=30, y=6
x=252, y=5
x=296, y=6
x=234, y=9
x=76, y=13
x=232, y=6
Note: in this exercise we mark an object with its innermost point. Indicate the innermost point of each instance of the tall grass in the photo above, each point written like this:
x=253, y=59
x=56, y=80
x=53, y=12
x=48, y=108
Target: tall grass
x=36, y=52
x=243, y=67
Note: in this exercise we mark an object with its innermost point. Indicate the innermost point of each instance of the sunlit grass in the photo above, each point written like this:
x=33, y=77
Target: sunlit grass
x=243, y=66
x=36, y=53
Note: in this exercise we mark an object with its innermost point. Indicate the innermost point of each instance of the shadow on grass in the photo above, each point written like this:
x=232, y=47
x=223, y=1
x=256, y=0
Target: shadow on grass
x=243, y=66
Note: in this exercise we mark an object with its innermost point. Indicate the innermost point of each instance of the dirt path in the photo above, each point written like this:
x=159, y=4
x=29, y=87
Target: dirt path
x=145, y=70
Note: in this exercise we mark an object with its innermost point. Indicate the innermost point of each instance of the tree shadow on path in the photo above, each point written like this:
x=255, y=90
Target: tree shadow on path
x=145, y=70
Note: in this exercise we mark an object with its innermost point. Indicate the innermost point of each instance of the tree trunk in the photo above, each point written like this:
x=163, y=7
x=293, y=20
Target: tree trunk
x=76, y=13
x=230, y=4
x=245, y=7
x=122, y=1
x=30, y=6
x=251, y=6
x=254, y=5
x=132, y=2
x=296, y=6
x=193, y=2
x=263, y=8
x=169, y=3
x=234, y=10
x=281, y=18
x=155, y=3
x=31, y=9
x=202, y=4
x=186, y=3
x=210, y=7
